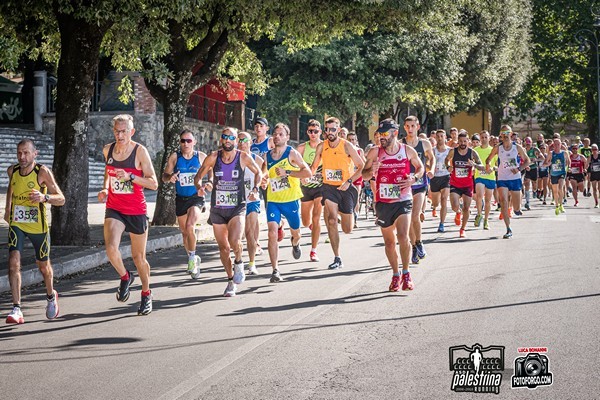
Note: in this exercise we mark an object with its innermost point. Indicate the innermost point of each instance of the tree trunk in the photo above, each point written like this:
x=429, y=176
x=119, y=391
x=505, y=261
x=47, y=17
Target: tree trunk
x=175, y=105
x=80, y=49
x=496, y=121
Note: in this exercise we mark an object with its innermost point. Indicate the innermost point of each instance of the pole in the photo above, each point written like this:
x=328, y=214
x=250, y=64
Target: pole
x=598, y=81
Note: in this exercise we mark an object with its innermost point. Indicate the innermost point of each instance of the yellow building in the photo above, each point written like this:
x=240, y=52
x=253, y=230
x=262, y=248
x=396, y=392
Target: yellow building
x=472, y=123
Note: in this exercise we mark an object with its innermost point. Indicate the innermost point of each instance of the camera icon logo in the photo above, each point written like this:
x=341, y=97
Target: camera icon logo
x=531, y=371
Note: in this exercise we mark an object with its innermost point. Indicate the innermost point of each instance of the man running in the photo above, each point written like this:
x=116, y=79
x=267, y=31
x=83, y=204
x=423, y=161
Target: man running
x=128, y=172
x=31, y=186
x=460, y=162
x=586, y=151
x=509, y=174
x=576, y=172
x=284, y=169
x=594, y=163
x=453, y=139
x=543, y=174
x=425, y=153
x=531, y=171
x=558, y=161
x=180, y=169
x=485, y=183
x=390, y=163
x=252, y=225
x=311, y=207
x=440, y=183
x=228, y=202
x=358, y=184
x=341, y=167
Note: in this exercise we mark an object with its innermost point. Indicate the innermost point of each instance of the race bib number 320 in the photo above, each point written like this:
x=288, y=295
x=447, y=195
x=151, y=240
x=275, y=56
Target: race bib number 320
x=121, y=187
x=25, y=215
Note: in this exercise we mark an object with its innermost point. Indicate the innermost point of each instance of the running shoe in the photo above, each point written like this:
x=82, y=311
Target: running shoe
x=196, y=271
x=259, y=251
x=576, y=203
x=280, y=233
x=486, y=224
x=52, y=306
x=544, y=202
x=407, y=283
x=146, y=305
x=327, y=240
x=441, y=228
x=421, y=253
x=422, y=216
x=275, y=276
x=15, y=316
x=498, y=208
x=478, y=218
x=596, y=206
x=526, y=207
x=557, y=210
x=434, y=213
x=518, y=212
x=336, y=264
x=501, y=217
x=584, y=193
x=123, y=290
x=457, y=219
x=508, y=234
x=461, y=233
x=562, y=208
x=415, y=257
x=239, y=276
x=252, y=270
x=191, y=265
x=313, y=256
x=296, y=250
x=230, y=289
x=395, y=285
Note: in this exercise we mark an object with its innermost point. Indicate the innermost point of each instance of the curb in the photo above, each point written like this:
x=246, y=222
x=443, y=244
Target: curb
x=92, y=258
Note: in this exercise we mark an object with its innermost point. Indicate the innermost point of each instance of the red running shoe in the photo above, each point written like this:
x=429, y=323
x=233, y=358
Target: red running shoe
x=407, y=283
x=457, y=219
x=280, y=233
x=395, y=285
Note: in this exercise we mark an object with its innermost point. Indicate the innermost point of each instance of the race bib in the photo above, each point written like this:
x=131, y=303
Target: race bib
x=557, y=167
x=389, y=191
x=333, y=175
x=25, y=214
x=226, y=199
x=462, y=172
x=186, y=179
x=440, y=167
x=575, y=170
x=510, y=163
x=279, y=183
x=121, y=187
x=595, y=167
x=316, y=178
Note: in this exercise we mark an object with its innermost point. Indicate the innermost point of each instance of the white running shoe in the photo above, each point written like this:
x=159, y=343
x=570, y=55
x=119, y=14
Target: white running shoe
x=252, y=270
x=52, y=307
x=15, y=316
x=230, y=289
x=195, y=274
x=239, y=276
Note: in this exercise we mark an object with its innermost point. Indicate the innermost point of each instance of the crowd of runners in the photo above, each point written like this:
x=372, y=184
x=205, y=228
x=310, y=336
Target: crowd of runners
x=403, y=170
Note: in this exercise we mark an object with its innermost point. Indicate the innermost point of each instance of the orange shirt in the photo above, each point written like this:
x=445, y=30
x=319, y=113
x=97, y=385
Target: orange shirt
x=338, y=167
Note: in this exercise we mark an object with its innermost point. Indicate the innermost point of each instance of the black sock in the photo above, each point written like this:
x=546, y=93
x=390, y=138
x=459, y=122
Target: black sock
x=18, y=305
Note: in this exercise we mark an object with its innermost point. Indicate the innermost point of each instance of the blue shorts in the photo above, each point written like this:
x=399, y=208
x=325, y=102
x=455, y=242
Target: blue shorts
x=488, y=183
x=514, y=185
x=253, y=207
x=290, y=210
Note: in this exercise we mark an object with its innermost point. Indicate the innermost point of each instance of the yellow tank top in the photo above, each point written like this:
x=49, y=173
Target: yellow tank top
x=483, y=155
x=338, y=167
x=28, y=216
x=282, y=189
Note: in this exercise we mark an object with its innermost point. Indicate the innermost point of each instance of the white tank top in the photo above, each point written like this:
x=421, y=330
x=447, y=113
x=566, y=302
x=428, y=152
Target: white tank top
x=508, y=159
x=440, y=161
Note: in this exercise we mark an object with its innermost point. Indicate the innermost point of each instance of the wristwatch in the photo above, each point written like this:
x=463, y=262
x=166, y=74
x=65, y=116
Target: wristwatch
x=349, y=181
x=46, y=198
x=131, y=177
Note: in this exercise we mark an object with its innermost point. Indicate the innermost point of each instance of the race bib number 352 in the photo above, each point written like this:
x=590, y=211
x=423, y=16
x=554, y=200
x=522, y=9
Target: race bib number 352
x=25, y=215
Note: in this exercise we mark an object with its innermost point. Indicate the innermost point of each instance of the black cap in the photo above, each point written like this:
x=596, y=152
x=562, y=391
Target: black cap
x=475, y=137
x=387, y=125
x=261, y=120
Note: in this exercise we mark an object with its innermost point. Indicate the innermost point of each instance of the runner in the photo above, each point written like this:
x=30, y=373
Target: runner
x=252, y=225
x=180, y=169
x=531, y=171
x=128, y=172
x=390, y=164
x=509, y=174
x=586, y=151
x=284, y=169
x=453, y=138
x=425, y=152
x=228, y=202
x=543, y=174
x=577, y=168
x=31, y=186
x=358, y=184
x=440, y=183
x=594, y=163
x=460, y=162
x=485, y=183
x=341, y=166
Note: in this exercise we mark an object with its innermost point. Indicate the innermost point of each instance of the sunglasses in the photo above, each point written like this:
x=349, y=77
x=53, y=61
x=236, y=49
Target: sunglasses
x=228, y=137
x=313, y=131
x=245, y=140
x=331, y=129
x=186, y=140
x=385, y=134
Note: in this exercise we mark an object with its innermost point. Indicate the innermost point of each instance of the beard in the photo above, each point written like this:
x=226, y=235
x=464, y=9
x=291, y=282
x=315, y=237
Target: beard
x=462, y=146
x=332, y=138
x=227, y=147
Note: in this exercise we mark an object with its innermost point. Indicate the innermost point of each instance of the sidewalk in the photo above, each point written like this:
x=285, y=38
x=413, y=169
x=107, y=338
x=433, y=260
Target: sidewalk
x=71, y=259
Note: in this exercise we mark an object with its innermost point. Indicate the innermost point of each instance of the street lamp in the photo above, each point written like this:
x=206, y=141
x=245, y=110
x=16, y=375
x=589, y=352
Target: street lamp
x=588, y=38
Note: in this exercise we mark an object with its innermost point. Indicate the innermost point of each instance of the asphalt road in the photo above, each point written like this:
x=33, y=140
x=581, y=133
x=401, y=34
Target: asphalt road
x=323, y=334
